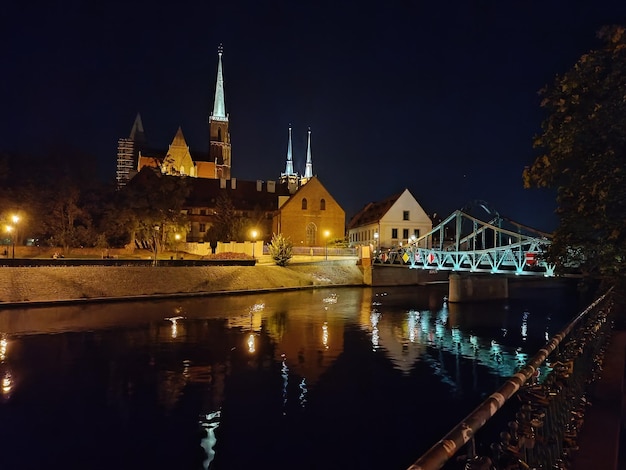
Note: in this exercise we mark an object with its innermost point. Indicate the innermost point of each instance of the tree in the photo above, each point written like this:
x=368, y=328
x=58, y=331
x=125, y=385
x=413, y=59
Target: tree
x=281, y=249
x=583, y=143
x=66, y=222
x=151, y=199
x=227, y=226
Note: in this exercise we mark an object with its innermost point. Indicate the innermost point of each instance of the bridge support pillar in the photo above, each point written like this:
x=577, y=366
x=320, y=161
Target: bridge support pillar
x=477, y=287
x=368, y=275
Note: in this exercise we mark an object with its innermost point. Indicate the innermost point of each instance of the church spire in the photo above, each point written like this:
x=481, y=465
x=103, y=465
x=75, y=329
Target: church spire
x=136, y=133
x=308, y=170
x=289, y=166
x=219, y=135
x=219, y=107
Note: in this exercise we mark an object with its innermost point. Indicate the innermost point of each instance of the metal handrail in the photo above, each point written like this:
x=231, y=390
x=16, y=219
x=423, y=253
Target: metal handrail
x=437, y=456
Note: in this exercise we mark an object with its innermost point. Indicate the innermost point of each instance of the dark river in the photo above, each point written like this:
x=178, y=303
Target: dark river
x=350, y=378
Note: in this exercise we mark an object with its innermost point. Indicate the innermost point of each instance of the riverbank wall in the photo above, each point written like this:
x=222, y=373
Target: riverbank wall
x=91, y=283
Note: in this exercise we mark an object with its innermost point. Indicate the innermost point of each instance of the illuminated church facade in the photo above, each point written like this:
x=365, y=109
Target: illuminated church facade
x=133, y=153
x=248, y=197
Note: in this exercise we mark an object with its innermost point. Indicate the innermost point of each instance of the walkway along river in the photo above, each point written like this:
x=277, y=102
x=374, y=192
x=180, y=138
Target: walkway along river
x=350, y=377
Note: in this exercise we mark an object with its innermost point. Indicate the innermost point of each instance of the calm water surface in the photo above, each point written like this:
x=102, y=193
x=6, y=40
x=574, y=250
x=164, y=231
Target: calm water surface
x=351, y=378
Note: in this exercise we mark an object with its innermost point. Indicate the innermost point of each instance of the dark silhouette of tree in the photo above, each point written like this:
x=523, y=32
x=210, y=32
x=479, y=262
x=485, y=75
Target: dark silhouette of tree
x=67, y=223
x=583, y=144
x=227, y=226
x=151, y=199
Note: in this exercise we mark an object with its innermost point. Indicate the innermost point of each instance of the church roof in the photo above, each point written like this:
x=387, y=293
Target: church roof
x=179, y=139
x=373, y=212
x=245, y=195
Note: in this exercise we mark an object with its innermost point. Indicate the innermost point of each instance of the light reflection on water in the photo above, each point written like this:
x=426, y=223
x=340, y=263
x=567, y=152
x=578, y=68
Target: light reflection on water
x=371, y=377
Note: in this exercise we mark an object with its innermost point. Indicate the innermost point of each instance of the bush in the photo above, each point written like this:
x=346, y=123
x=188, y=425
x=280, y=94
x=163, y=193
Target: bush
x=280, y=249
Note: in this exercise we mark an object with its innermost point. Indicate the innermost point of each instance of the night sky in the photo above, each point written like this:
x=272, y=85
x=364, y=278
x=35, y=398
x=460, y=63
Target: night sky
x=437, y=97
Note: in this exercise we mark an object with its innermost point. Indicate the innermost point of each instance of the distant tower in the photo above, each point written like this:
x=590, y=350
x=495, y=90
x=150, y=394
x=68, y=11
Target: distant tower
x=308, y=169
x=127, y=152
x=219, y=135
x=289, y=176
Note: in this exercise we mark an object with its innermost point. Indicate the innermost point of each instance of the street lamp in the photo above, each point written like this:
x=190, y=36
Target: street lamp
x=326, y=235
x=15, y=219
x=156, y=243
x=254, y=234
x=9, y=229
x=376, y=237
x=177, y=238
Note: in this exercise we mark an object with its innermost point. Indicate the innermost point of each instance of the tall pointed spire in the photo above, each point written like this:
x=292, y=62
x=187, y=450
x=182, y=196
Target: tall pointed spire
x=219, y=135
x=137, y=133
x=289, y=166
x=308, y=170
x=219, y=106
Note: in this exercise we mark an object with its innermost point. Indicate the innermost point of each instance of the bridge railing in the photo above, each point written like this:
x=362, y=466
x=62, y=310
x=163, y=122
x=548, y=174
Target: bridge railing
x=546, y=425
x=524, y=258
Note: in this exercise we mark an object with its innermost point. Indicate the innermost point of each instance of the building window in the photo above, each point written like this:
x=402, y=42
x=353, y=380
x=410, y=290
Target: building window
x=405, y=233
x=323, y=204
x=311, y=234
x=202, y=228
x=304, y=204
x=202, y=211
x=394, y=233
x=416, y=232
x=405, y=215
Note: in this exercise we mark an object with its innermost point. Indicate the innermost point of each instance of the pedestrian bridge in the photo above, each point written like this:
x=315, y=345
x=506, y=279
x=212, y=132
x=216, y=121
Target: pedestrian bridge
x=464, y=243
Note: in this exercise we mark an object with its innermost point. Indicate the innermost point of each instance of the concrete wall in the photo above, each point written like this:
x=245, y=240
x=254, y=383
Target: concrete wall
x=43, y=284
x=396, y=275
x=462, y=287
x=477, y=287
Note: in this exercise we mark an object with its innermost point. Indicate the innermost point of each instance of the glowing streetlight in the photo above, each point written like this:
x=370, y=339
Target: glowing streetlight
x=326, y=235
x=177, y=238
x=254, y=234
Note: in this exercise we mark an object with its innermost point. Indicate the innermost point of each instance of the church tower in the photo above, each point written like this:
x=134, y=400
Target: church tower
x=219, y=135
x=289, y=176
x=308, y=169
x=128, y=150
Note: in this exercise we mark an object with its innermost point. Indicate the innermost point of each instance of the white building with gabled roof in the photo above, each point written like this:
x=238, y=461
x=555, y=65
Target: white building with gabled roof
x=391, y=222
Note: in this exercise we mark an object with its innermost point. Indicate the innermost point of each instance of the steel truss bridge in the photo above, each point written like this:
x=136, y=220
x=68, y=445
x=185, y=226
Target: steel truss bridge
x=464, y=243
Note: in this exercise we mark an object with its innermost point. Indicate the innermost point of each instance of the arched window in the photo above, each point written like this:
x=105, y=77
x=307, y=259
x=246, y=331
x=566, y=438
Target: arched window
x=323, y=204
x=304, y=204
x=311, y=234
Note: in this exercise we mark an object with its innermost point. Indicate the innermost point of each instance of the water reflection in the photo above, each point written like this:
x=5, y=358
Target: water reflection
x=353, y=371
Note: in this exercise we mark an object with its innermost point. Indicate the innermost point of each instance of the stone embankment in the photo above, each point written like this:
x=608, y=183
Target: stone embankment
x=58, y=284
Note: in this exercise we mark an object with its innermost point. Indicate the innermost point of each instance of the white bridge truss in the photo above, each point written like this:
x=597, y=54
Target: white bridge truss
x=462, y=242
